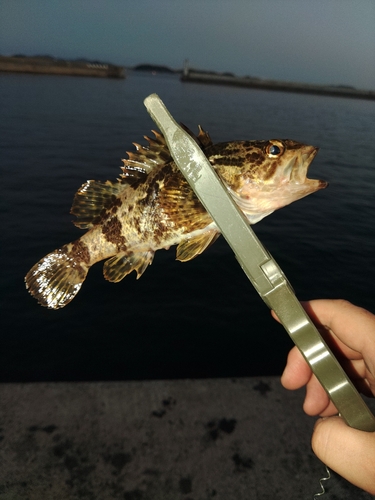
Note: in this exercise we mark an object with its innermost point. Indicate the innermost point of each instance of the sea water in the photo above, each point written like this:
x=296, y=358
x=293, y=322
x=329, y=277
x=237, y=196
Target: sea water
x=196, y=319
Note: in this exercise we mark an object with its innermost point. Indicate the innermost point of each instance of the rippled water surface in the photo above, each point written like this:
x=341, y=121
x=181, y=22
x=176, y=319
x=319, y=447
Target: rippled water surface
x=201, y=318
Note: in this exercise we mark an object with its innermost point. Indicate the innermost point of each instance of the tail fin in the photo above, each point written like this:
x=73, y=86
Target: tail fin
x=56, y=279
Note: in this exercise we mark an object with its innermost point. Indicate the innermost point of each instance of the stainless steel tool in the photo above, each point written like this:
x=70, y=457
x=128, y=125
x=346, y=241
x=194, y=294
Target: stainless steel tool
x=261, y=269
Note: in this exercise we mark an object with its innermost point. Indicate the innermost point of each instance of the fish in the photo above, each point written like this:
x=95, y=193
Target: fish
x=151, y=207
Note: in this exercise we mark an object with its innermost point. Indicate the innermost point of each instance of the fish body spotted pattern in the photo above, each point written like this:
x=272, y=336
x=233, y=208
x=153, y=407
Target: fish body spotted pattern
x=151, y=206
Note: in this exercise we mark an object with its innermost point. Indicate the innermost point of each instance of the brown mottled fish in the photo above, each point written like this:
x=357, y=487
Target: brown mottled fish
x=152, y=206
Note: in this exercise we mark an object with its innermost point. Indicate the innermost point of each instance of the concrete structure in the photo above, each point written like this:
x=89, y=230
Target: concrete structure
x=51, y=66
x=218, y=439
x=258, y=83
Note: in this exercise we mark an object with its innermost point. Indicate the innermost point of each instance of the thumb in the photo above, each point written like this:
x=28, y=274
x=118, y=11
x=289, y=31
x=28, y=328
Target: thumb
x=348, y=451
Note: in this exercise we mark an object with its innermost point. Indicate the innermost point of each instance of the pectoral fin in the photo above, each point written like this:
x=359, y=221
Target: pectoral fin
x=116, y=268
x=192, y=247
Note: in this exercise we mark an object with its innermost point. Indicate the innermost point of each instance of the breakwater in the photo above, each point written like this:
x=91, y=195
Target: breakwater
x=258, y=83
x=51, y=66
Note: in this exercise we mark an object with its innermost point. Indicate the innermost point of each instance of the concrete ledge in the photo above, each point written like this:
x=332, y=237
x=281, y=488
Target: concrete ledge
x=258, y=83
x=214, y=439
x=51, y=66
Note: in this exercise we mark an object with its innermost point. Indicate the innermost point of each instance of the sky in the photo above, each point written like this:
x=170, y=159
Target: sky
x=313, y=41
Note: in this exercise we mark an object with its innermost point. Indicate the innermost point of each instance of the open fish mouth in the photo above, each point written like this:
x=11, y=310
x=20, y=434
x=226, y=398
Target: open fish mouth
x=288, y=184
x=299, y=170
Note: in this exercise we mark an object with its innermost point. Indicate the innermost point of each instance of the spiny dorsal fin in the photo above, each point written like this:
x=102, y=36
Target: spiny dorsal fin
x=145, y=158
x=91, y=198
x=203, y=139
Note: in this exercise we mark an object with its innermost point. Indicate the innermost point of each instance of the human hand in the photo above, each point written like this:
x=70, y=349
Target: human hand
x=350, y=333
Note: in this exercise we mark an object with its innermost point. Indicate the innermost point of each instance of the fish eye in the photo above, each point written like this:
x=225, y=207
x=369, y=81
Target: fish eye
x=274, y=150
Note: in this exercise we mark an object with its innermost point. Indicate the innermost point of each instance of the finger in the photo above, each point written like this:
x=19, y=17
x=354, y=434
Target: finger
x=297, y=372
x=317, y=401
x=359, y=375
x=275, y=316
x=348, y=451
x=354, y=336
x=354, y=325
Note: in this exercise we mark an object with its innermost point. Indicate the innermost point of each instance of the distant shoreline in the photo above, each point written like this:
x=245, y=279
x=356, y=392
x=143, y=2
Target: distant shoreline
x=257, y=83
x=51, y=66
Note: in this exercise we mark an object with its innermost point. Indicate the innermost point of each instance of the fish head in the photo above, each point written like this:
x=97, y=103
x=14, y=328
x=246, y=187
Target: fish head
x=263, y=176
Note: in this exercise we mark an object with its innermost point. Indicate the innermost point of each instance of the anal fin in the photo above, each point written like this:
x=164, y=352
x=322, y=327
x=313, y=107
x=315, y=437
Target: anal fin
x=191, y=247
x=116, y=268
